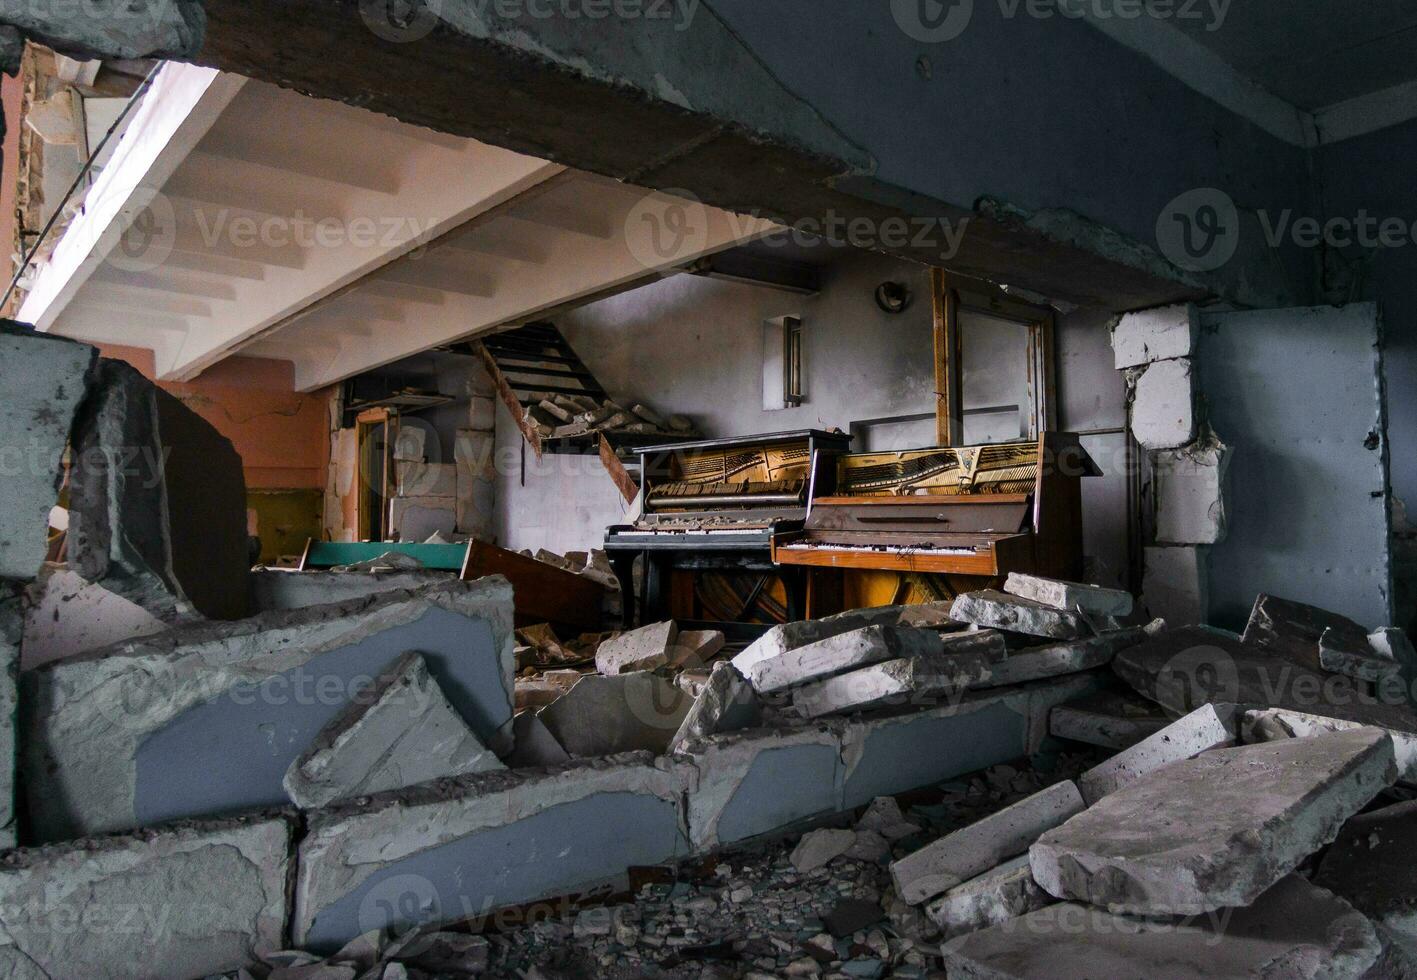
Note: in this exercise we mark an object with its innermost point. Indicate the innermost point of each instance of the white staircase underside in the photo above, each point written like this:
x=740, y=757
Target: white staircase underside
x=239, y=217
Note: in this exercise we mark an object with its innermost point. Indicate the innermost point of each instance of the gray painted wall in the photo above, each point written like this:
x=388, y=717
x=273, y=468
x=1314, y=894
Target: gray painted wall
x=694, y=346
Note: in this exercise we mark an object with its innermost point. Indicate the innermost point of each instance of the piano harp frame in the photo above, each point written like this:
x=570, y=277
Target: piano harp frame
x=1047, y=540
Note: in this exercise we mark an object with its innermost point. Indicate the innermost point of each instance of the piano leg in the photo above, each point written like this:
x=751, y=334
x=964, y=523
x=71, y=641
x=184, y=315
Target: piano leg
x=623, y=564
x=794, y=584
x=657, y=574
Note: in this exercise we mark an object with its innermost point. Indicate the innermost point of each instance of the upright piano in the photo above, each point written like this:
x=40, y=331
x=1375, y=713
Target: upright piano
x=942, y=520
x=705, y=520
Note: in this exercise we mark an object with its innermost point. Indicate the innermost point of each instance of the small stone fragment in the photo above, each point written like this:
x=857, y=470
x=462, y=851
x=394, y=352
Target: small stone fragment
x=820, y=848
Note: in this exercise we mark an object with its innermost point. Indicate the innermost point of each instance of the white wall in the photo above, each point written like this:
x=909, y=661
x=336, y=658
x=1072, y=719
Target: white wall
x=693, y=346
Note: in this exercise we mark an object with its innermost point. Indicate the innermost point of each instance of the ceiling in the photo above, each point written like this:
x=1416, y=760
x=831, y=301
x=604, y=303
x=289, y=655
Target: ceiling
x=1313, y=53
x=238, y=217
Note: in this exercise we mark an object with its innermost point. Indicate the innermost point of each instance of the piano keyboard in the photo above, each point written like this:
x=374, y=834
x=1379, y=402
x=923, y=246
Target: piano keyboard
x=884, y=549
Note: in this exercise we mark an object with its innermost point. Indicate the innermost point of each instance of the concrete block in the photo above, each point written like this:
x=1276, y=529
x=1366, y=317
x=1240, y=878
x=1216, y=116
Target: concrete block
x=1072, y=596
x=983, y=729
x=967, y=853
x=646, y=648
x=187, y=900
x=1317, y=639
x=1189, y=488
x=533, y=744
x=157, y=501
x=1216, y=831
x=1295, y=930
x=1161, y=334
x=419, y=518
x=1061, y=659
x=726, y=704
x=820, y=848
x=278, y=589
x=790, y=636
x=998, y=610
x=45, y=380
x=1270, y=724
x=624, y=713
x=1163, y=414
x=399, y=732
x=1184, y=669
x=427, y=479
x=1344, y=652
x=1210, y=727
x=965, y=661
x=206, y=719
x=1110, y=720
x=411, y=444
x=1373, y=866
x=697, y=645
x=446, y=851
x=753, y=783
x=1176, y=584
x=66, y=616
x=847, y=651
x=994, y=897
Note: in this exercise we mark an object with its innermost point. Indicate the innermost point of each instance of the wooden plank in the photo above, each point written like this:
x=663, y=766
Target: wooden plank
x=621, y=476
x=509, y=398
x=543, y=593
x=949, y=399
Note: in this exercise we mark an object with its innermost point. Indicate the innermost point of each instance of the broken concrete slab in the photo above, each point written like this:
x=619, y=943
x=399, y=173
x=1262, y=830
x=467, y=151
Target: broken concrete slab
x=965, y=661
x=533, y=744
x=860, y=648
x=1189, y=492
x=1111, y=720
x=400, y=732
x=274, y=589
x=999, y=610
x=1155, y=335
x=187, y=900
x=1184, y=669
x=207, y=718
x=157, y=501
x=1269, y=724
x=820, y=848
x=1344, y=652
x=967, y=853
x=1210, y=727
x=625, y=713
x=790, y=636
x=1163, y=404
x=1058, y=660
x=1373, y=866
x=1294, y=930
x=45, y=381
x=444, y=851
x=994, y=897
x=752, y=783
x=1294, y=629
x=1072, y=596
x=643, y=649
x=726, y=704
x=884, y=817
x=1216, y=831
x=981, y=729
x=66, y=616
x=1176, y=584
x=11, y=636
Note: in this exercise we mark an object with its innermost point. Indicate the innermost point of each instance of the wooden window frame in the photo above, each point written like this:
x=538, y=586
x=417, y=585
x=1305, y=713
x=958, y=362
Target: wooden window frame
x=953, y=295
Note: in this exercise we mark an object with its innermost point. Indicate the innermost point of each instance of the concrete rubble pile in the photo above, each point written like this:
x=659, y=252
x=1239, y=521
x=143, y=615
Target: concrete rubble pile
x=1263, y=832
